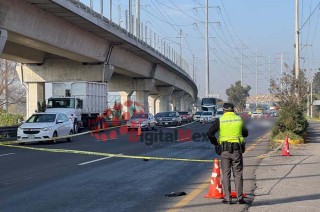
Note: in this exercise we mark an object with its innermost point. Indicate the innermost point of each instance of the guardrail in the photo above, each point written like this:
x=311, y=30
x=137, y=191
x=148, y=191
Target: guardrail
x=8, y=131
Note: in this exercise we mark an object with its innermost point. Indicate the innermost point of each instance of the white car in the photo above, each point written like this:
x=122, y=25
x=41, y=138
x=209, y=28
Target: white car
x=257, y=115
x=219, y=114
x=44, y=126
x=207, y=116
x=196, y=116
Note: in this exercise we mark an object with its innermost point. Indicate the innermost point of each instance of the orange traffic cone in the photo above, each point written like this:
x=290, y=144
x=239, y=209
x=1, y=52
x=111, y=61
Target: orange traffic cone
x=285, y=148
x=215, y=188
x=139, y=130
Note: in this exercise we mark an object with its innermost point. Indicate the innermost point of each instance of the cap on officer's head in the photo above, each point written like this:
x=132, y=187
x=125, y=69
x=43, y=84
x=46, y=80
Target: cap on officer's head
x=228, y=107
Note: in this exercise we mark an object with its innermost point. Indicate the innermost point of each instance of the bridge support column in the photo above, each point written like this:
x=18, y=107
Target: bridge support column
x=154, y=108
x=125, y=98
x=126, y=102
x=3, y=39
x=165, y=93
x=185, y=102
x=142, y=102
x=176, y=96
x=143, y=87
x=35, y=94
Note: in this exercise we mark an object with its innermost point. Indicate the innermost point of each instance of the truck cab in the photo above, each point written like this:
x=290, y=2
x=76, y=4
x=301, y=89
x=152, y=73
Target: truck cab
x=70, y=106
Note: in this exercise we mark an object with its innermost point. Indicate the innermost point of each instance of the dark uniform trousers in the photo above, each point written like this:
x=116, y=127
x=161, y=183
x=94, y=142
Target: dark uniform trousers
x=235, y=161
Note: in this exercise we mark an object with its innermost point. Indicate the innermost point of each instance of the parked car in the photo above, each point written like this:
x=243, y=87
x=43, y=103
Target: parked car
x=257, y=115
x=207, y=116
x=44, y=126
x=245, y=115
x=219, y=114
x=145, y=120
x=196, y=116
x=168, y=118
x=185, y=116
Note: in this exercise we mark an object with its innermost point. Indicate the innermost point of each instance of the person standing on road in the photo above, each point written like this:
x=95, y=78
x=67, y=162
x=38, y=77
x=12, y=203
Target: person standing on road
x=231, y=146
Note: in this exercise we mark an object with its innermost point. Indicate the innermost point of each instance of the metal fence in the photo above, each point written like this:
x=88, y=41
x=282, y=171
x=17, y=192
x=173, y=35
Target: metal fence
x=132, y=26
x=8, y=132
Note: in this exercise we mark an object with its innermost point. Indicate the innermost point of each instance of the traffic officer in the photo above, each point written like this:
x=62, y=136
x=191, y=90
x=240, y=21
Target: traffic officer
x=231, y=146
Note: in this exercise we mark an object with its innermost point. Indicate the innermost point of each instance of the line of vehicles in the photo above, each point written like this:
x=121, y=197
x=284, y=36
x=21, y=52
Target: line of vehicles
x=74, y=105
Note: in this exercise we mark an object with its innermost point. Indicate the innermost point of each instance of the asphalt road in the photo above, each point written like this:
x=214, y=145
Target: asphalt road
x=33, y=178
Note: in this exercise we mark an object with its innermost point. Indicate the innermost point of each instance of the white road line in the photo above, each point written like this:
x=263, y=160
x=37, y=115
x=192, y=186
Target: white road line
x=184, y=139
x=7, y=154
x=181, y=125
x=92, y=161
x=108, y=139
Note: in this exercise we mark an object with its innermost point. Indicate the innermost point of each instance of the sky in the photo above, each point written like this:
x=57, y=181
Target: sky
x=257, y=31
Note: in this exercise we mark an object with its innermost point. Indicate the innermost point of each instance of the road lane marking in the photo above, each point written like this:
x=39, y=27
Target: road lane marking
x=109, y=139
x=182, y=139
x=203, y=186
x=181, y=125
x=92, y=161
x=70, y=151
x=7, y=154
x=121, y=156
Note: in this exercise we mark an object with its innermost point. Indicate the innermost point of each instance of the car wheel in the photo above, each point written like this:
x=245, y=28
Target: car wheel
x=55, y=134
x=75, y=128
x=70, y=138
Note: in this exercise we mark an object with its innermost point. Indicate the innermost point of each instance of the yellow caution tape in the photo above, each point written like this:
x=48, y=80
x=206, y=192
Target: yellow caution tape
x=127, y=156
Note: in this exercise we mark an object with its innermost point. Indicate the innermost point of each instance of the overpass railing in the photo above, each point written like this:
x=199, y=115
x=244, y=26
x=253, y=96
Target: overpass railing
x=132, y=26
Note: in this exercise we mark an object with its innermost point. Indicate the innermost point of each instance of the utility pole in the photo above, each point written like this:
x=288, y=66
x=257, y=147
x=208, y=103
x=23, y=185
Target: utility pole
x=207, y=48
x=256, y=78
x=281, y=67
x=138, y=19
x=130, y=16
x=297, y=59
x=241, y=77
x=180, y=47
x=193, y=67
x=269, y=71
x=311, y=100
x=111, y=11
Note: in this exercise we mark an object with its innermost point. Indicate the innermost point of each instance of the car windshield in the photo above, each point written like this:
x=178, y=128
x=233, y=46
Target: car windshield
x=206, y=114
x=183, y=113
x=140, y=116
x=61, y=103
x=41, y=118
x=198, y=113
x=159, y=115
x=168, y=114
x=219, y=112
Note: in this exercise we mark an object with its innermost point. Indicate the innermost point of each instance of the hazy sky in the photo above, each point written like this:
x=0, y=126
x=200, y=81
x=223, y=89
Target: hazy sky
x=263, y=26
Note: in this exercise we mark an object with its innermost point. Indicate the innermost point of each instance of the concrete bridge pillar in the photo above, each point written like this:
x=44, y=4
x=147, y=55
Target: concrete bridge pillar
x=35, y=94
x=142, y=102
x=165, y=93
x=125, y=98
x=186, y=101
x=153, y=106
x=143, y=87
x=176, y=97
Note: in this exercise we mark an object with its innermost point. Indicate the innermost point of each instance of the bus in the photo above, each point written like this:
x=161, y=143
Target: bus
x=209, y=104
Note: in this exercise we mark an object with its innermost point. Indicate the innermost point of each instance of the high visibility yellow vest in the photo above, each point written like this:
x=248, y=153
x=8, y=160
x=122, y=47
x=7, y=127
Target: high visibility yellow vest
x=230, y=128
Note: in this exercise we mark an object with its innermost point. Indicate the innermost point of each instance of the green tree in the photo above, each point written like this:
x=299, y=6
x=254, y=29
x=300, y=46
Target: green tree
x=291, y=94
x=237, y=94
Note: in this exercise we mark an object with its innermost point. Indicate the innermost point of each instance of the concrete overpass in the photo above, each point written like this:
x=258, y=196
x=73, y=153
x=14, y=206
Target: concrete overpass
x=61, y=40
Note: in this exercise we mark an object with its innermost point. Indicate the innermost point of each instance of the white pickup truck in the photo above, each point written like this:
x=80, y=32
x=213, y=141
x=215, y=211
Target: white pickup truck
x=80, y=101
